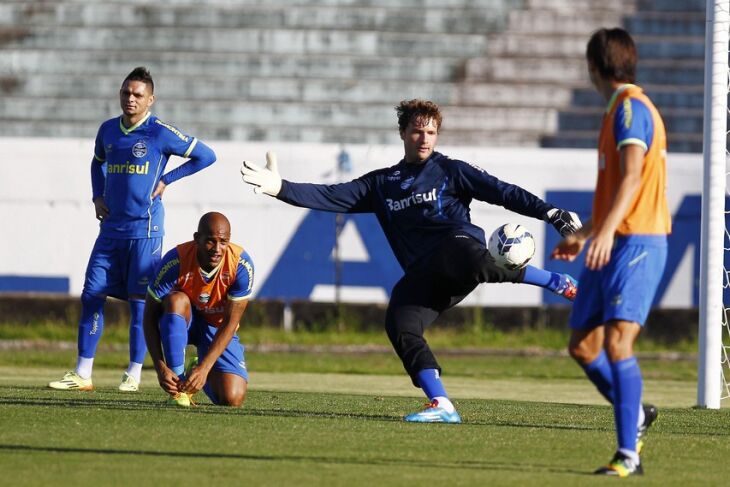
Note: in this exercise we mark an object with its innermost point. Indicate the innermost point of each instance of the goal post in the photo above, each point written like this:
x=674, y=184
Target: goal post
x=711, y=379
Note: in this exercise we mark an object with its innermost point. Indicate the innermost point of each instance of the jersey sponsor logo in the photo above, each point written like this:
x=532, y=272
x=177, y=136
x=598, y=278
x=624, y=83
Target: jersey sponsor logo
x=407, y=183
x=414, y=199
x=175, y=131
x=165, y=268
x=204, y=298
x=211, y=311
x=128, y=168
x=628, y=114
x=249, y=271
x=139, y=149
x=474, y=166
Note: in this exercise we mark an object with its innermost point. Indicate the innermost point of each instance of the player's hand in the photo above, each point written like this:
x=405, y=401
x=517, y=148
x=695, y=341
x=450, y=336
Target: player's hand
x=195, y=380
x=569, y=248
x=159, y=190
x=565, y=222
x=599, y=251
x=102, y=211
x=169, y=381
x=264, y=179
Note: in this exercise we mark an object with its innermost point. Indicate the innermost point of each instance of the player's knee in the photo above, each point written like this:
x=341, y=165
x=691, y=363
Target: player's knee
x=582, y=352
x=233, y=396
x=178, y=303
x=619, y=349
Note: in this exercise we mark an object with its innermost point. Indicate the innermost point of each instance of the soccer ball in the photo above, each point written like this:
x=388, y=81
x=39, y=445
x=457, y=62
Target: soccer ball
x=511, y=246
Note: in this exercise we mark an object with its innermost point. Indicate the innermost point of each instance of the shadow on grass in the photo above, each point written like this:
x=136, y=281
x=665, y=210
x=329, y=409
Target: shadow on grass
x=112, y=400
x=520, y=466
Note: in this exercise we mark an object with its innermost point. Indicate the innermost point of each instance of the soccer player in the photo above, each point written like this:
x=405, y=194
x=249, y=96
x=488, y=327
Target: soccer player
x=422, y=204
x=627, y=243
x=198, y=296
x=128, y=179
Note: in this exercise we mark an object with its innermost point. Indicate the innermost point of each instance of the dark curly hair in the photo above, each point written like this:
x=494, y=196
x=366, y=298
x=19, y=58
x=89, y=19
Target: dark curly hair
x=419, y=112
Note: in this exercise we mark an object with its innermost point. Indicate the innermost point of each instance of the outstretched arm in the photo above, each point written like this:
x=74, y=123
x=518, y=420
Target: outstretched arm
x=199, y=374
x=349, y=197
x=477, y=183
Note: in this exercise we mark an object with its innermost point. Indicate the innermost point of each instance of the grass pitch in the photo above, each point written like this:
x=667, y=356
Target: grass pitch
x=336, y=420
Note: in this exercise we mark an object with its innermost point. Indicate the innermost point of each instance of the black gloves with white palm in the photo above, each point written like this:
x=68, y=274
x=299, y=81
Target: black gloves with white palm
x=263, y=179
x=565, y=222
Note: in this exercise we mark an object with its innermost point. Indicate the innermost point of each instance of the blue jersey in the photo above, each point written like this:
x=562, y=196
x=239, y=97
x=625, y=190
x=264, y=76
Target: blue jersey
x=129, y=163
x=418, y=205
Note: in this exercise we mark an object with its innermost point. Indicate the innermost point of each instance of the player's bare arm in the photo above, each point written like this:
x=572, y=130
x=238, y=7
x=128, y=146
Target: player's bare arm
x=599, y=250
x=199, y=374
x=152, y=313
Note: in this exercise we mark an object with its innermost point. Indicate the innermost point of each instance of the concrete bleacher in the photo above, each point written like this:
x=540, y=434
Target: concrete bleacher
x=670, y=41
x=506, y=72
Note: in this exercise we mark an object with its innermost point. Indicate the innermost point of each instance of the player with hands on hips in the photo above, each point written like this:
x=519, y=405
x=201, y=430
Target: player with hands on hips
x=422, y=205
x=128, y=178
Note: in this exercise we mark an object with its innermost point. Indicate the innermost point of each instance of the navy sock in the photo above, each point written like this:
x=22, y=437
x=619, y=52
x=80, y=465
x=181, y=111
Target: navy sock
x=137, y=345
x=91, y=324
x=599, y=372
x=174, y=337
x=430, y=382
x=541, y=277
x=627, y=386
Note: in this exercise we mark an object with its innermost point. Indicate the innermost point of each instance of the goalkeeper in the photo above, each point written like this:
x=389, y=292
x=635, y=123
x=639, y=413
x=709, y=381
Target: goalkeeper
x=422, y=204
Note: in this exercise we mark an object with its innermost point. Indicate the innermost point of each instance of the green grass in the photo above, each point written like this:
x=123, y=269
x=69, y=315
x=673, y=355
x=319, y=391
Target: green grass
x=335, y=419
x=438, y=337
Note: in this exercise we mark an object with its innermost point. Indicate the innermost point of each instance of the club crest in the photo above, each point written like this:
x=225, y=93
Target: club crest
x=407, y=183
x=139, y=149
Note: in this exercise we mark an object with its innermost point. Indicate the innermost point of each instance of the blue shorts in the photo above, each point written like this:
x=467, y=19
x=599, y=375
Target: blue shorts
x=625, y=288
x=231, y=361
x=122, y=267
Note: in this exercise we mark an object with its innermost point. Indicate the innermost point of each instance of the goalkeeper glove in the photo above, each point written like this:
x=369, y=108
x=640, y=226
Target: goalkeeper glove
x=263, y=179
x=565, y=222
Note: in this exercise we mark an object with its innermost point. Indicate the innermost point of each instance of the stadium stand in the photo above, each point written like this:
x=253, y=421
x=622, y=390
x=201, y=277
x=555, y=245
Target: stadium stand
x=507, y=72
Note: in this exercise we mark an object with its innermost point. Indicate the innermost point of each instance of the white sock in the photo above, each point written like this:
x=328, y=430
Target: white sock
x=84, y=366
x=641, y=416
x=135, y=370
x=631, y=454
x=445, y=403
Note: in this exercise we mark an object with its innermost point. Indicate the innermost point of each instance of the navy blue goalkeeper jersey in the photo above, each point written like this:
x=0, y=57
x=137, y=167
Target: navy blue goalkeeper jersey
x=129, y=162
x=418, y=205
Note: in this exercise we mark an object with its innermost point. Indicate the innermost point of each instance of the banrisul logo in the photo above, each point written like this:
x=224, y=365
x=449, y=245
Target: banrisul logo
x=414, y=199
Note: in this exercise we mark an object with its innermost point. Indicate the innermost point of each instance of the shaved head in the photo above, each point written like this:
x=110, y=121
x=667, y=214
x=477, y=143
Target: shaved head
x=213, y=222
x=212, y=237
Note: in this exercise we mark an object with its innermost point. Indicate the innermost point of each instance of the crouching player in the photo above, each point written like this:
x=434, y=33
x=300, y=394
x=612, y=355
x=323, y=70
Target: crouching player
x=198, y=297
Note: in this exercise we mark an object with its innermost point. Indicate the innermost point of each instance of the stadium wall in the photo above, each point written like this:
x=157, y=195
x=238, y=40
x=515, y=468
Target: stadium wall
x=50, y=227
